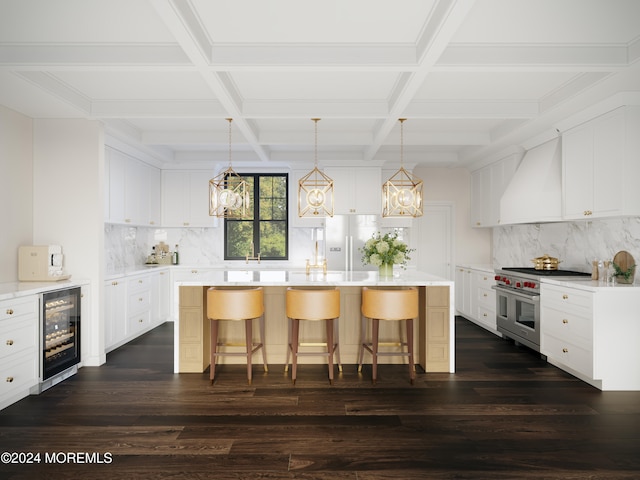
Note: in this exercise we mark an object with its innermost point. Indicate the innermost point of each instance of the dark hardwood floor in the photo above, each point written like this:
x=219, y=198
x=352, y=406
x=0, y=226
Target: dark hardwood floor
x=505, y=414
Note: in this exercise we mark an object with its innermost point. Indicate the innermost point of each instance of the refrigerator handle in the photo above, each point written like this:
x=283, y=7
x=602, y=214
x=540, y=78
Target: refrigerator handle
x=346, y=253
x=350, y=253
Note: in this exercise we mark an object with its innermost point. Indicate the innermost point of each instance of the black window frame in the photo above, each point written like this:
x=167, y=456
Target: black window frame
x=255, y=196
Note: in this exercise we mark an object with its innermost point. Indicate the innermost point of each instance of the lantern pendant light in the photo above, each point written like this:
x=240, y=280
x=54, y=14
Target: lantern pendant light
x=402, y=193
x=315, y=189
x=228, y=192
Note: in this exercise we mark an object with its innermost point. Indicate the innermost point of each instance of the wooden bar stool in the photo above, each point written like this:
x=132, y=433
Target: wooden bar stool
x=313, y=304
x=236, y=304
x=388, y=304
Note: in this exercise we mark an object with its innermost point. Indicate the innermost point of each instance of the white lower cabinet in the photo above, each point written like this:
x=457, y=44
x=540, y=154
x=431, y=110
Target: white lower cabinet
x=134, y=305
x=475, y=299
x=592, y=333
x=19, y=345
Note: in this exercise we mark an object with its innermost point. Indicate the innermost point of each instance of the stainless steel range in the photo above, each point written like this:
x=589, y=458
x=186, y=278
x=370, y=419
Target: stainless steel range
x=518, y=302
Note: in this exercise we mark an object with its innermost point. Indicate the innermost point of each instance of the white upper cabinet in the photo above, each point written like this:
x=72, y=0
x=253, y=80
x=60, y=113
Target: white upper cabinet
x=132, y=190
x=357, y=190
x=487, y=186
x=185, y=198
x=601, y=167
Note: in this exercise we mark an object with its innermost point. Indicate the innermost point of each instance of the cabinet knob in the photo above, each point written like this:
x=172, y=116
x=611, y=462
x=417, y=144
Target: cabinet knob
x=9, y=311
x=127, y=220
x=9, y=342
x=140, y=321
x=152, y=222
x=140, y=299
x=565, y=350
x=484, y=294
x=477, y=224
x=565, y=297
x=194, y=271
x=9, y=379
x=139, y=281
x=484, y=315
x=186, y=224
x=114, y=283
x=565, y=321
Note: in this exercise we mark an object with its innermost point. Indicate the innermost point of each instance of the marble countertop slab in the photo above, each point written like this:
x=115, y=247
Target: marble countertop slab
x=593, y=285
x=11, y=290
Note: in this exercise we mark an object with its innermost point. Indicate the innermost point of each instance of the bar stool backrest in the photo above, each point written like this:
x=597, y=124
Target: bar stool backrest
x=234, y=303
x=313, y=303
x=390, y=304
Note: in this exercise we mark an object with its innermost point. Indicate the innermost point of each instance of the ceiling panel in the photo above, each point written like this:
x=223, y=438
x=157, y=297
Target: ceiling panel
x=474, y=78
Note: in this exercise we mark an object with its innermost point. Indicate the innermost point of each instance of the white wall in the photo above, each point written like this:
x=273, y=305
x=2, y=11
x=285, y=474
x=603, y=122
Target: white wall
x=16, y=189
x=472, y=245
x=68, y=209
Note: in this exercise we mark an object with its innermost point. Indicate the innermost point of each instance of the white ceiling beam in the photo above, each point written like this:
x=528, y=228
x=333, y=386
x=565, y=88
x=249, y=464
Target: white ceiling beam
x=158, y=109
x=446, y=18
x=302, y=55
x=533, y=58
x=319, y=108
x=183, y=23
x=472, y=109
x=128, y=55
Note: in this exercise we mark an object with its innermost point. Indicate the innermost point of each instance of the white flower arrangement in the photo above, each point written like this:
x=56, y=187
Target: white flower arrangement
x=385, y=250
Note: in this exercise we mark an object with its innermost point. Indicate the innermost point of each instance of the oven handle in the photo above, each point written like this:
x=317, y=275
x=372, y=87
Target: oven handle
x=532, y=298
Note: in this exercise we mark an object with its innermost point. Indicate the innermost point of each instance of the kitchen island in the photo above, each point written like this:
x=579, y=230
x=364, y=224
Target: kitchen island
x=434, y=336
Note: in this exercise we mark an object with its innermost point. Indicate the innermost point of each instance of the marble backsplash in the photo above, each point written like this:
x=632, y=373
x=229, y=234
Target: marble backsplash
x=127, y=247
x=576, y=244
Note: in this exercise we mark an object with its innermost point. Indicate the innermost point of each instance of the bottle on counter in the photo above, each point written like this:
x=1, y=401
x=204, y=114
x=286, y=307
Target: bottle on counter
x=175, y=256
x=594, y=270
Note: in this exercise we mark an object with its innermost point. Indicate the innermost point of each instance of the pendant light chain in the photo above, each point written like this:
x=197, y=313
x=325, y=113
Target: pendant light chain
x=315, y=155
x=402, y=141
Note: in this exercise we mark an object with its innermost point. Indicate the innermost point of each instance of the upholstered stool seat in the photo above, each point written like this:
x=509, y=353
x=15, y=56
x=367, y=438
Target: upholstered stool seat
x=388, y=304
x=313, y=304
x=236, y=304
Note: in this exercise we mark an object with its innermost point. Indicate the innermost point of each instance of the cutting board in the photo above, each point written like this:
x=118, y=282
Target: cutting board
x=624, y=260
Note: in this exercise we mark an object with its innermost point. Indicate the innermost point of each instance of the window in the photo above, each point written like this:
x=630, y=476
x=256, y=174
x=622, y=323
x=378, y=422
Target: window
x=265, y=227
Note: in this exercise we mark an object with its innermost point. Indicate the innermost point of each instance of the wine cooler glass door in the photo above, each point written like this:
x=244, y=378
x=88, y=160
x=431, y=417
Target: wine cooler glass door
x=60, y=331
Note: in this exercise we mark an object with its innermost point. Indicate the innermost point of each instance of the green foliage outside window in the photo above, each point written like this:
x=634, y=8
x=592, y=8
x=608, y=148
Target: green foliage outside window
x=265, y=225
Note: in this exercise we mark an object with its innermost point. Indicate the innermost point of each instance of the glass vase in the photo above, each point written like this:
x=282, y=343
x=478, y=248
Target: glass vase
x=386, y=270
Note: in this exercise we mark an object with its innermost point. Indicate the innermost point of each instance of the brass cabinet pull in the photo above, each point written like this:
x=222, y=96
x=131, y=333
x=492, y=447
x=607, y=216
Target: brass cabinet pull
x=9, y=379
x=565, y=350
x=484, y=294
x=139, y=281
x=9, y=342
x=565, y=297
x=114, y=283
x=565, y=321
x=9, y=311
x=484, y=315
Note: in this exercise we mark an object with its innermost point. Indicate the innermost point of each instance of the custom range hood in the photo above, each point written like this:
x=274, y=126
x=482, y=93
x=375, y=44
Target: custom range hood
x=535, y=191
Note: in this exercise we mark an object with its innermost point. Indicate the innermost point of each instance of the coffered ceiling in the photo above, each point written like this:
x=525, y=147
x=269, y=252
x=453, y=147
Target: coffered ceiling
x=474, y=78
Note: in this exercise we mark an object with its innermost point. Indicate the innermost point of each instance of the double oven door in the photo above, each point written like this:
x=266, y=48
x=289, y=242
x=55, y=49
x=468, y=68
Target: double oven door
x=518, y=316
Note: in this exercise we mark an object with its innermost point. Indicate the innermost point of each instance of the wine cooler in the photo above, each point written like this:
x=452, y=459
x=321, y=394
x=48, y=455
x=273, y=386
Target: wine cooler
x=60, y=335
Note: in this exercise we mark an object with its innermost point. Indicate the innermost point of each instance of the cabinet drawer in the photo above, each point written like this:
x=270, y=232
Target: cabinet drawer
x=138, y=283
x=568, y=326
x=485, y=280
x=487, y=316
x=487, y=298
x=551, y=294
x=20, y=306
x=19, y=373
x=18, y=337
x=569, y=354
x=139, y=302
x=138, y=322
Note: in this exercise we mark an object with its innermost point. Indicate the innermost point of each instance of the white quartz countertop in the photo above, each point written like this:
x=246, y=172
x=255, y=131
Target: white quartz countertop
x=11, y=290
x=294, y=277
x=593, y=285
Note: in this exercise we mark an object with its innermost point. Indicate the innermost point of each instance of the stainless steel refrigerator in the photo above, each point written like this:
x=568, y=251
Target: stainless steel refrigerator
x=344, y=234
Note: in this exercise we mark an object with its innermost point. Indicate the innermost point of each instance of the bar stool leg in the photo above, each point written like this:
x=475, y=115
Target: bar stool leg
x=264, y=351
x=295, y=335
x=336, y=342
x=330, y=345
x=286, y=363
x=412, y=369
x=214, y=349
x=363, y=332
x=375, y=329
x=249, y=341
